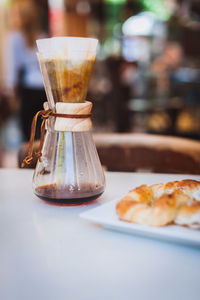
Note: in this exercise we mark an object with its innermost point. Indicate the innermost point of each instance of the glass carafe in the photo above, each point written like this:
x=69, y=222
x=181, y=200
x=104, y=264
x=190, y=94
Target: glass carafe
x=69, y=170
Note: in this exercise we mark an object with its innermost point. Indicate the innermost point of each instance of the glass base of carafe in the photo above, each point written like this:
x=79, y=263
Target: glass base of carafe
x=63, y=196
x=72, y=201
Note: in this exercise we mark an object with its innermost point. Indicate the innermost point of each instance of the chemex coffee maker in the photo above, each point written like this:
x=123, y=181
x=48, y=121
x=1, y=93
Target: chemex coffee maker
x=68, y=170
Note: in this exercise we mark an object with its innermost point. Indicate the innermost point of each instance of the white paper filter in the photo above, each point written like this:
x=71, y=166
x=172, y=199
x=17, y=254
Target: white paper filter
x=70, y=48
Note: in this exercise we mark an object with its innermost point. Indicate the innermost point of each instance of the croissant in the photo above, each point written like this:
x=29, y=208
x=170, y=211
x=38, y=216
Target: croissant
x=158, y=205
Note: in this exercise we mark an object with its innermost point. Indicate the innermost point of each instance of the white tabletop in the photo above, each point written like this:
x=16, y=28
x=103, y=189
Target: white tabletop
x=49, y=252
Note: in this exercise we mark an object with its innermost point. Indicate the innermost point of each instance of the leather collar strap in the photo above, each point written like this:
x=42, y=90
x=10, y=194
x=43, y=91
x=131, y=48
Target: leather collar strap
x=44, y=114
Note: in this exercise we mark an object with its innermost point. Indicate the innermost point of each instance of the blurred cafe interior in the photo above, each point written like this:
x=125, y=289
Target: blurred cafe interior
x=146, y=77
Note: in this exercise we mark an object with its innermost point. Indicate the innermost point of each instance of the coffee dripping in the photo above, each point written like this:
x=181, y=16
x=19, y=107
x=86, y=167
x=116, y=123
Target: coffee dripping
x=69, y=170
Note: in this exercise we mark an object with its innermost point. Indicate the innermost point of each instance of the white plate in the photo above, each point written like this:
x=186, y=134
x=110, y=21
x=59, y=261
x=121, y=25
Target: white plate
x=107, y=217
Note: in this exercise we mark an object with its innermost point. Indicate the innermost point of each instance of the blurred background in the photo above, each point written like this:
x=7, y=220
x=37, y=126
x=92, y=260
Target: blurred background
x=146, y=76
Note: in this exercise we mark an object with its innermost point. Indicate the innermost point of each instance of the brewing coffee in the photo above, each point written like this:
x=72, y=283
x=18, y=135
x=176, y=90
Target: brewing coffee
x=68, y=82
x=68, y=194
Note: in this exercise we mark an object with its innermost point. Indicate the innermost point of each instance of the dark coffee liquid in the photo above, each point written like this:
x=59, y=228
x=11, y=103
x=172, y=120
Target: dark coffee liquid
x=66, y=195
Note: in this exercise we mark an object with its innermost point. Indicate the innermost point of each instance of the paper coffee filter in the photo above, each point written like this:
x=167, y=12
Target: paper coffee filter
x=66, y=64
x=46, y=81
x=71, y=48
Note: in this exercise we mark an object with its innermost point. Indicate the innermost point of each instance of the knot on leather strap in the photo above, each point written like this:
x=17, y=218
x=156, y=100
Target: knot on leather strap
x=44, y=114
x=26, y=161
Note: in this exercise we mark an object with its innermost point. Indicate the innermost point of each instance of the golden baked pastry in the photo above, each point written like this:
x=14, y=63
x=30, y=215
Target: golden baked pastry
x=157, y=205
